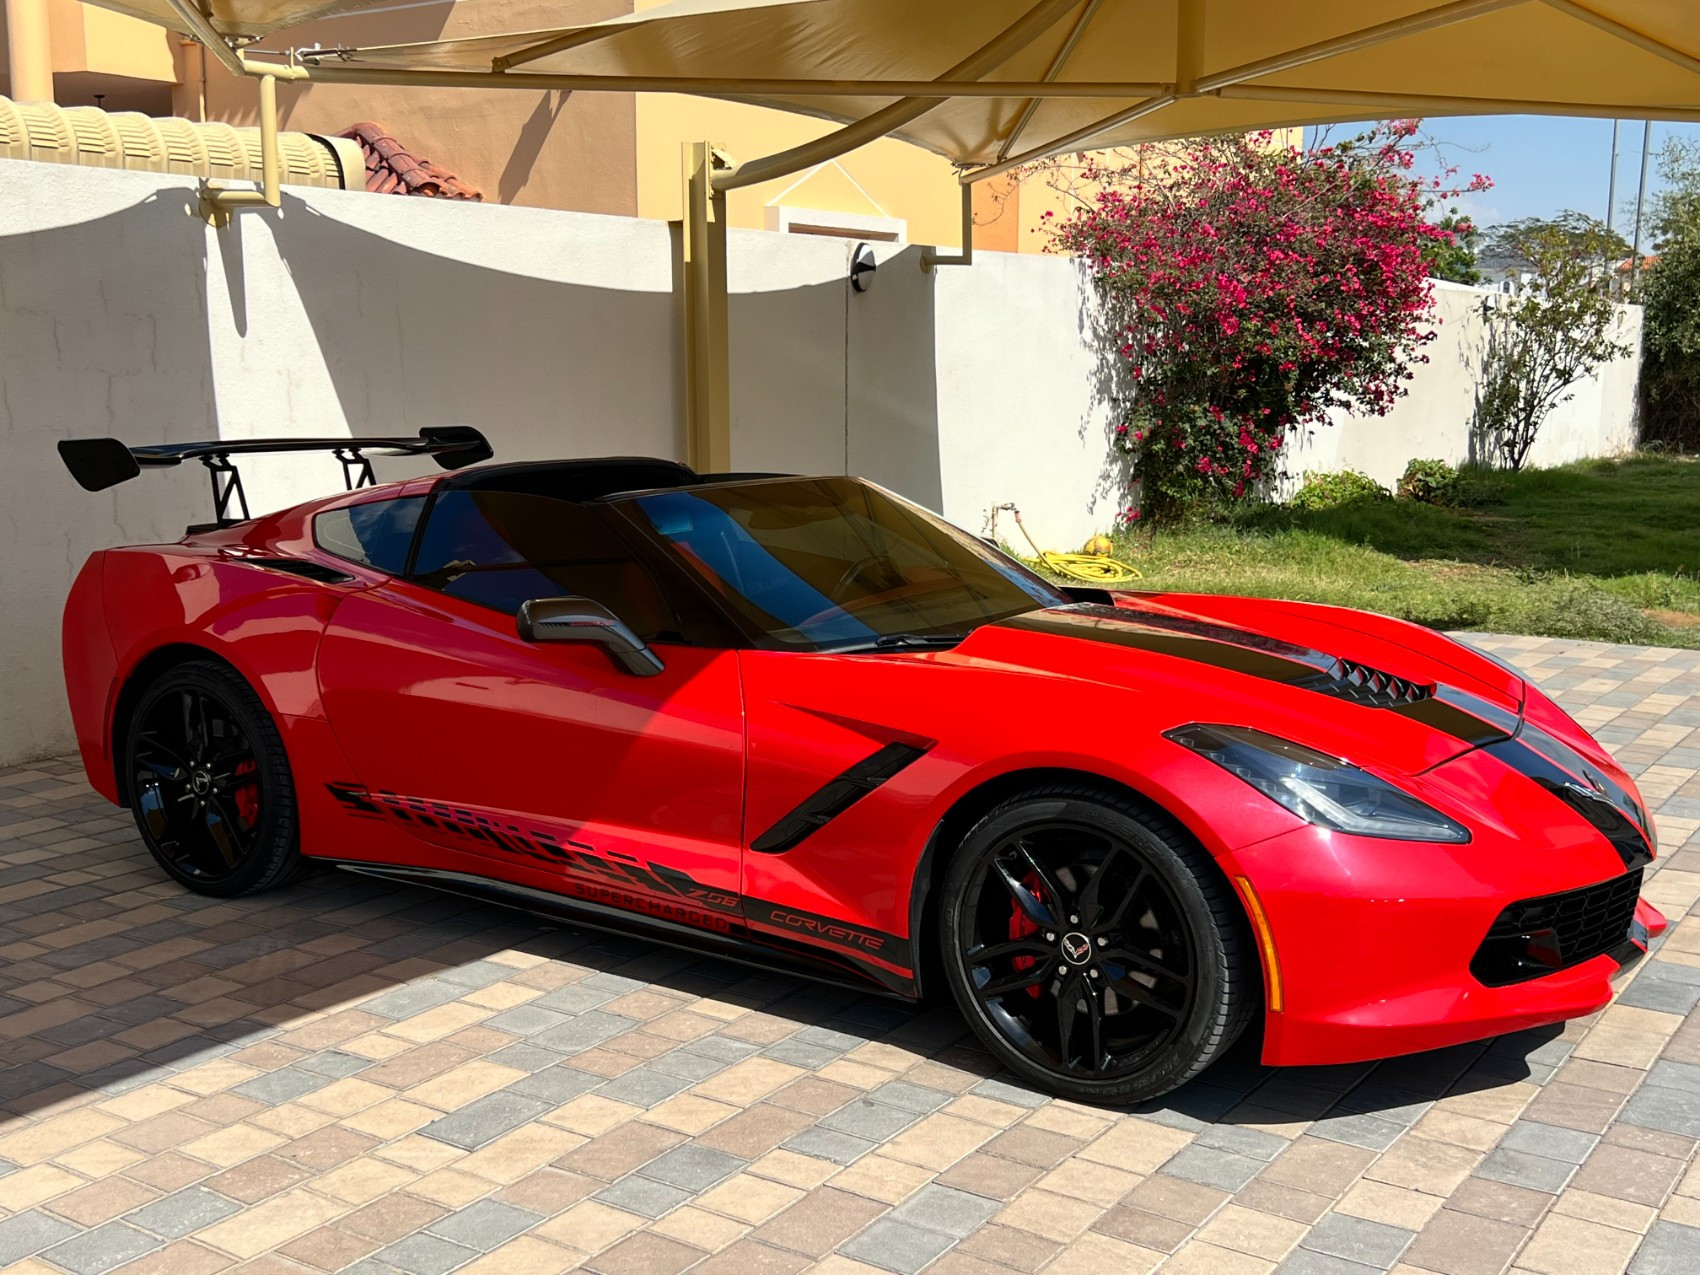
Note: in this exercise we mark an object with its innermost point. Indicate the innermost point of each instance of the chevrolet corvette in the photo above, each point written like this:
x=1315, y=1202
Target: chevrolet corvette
x=805, y=723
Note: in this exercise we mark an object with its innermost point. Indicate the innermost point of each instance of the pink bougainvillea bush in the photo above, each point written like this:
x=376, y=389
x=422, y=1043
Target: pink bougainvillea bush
x=1253, y=287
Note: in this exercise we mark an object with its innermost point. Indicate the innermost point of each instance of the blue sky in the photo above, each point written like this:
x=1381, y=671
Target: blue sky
x=1541, y=166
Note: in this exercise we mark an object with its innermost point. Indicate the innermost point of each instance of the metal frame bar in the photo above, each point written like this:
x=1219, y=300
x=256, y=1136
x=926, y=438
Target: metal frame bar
x=1051, y=73
x=201, y=27
x=218, y=202
x=1629, y=35
x=988, y=57
x=1073, y=141
x=930, y=258
x=1425, y=104
x=931, y=90
x=1367, y=38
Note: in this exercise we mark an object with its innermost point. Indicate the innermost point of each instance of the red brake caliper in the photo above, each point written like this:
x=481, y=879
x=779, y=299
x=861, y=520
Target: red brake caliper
x=247, y=793
x=1022, y=926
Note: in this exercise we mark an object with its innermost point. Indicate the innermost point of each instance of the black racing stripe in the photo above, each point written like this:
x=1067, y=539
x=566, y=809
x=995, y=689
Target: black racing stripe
x=1557, y=750
x=1224, y=647
x=1615, y=824
x=837, y=796
x=1463, y=716
x=1186, y=638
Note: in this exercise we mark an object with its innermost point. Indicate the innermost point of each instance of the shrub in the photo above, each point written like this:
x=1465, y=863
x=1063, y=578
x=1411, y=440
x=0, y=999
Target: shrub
x=1544, y=339
x=1253, y=287
x=1433, y=482
x=1670, y=290
x=1335, y=491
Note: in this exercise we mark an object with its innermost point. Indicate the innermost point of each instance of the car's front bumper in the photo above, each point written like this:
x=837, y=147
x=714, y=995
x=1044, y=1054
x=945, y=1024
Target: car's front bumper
x=1375, y=939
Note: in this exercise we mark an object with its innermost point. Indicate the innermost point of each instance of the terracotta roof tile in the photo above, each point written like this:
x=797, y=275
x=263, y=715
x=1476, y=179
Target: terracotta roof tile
x=391, y=169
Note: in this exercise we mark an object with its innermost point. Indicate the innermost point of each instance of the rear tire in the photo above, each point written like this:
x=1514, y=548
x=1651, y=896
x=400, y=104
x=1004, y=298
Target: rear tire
x=1095, y=949
x=209, y=783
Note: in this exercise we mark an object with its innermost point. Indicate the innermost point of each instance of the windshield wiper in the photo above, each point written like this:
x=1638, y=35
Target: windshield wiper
x=900, y=641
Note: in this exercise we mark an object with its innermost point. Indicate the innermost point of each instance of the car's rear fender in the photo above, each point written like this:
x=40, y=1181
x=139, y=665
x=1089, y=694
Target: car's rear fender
x=165, y=605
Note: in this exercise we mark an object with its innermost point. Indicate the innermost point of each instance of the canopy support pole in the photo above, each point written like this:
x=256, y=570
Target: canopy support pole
x=201, y=27
x=29, y=50
x=929, y=258
x=708, y=398
x=219, y=202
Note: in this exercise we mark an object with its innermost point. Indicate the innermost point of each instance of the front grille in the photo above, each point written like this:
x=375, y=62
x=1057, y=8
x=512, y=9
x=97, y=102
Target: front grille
x=1360, y=684
x=1556, y=931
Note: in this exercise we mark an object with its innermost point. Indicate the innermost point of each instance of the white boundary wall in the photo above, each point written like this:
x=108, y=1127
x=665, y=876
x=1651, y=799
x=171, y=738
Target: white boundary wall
x=556, y=333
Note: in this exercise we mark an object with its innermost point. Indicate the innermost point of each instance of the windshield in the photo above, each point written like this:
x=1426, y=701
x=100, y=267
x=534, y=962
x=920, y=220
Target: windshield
x=837, y=563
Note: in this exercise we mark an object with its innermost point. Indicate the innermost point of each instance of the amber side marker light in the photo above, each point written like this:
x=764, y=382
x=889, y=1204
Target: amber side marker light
x=1265, y=942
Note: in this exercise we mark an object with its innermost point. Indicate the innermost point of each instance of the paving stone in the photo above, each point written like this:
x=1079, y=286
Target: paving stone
x=29, y=1232
x=422, y=1254
x=1550, y=1141
x=1669, y=1249
x=643, y=1196
x=553, y=1084
x=829, y=1144
x=526, y=1020
x=1206, y=1165
x=896, y=1246
x=582, y=1032
x=1307, y=1262
x=643, y=1087
x=800, y=1053
x=485, y=1119
x=484, y=1225
x=865, y=1118
x=277, y=1087
x=1371, y=1132
x=1455, y=1243
x=1358, y=1239
x=692, y=1168
x=1536, y=1172
x=940, y=1208
x=102, y=1249
x=183, y=1212
x=1658, y=1107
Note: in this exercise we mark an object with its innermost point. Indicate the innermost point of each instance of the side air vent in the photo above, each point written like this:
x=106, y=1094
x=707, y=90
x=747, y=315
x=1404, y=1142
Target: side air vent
x=1370, y=687
x=299, y=567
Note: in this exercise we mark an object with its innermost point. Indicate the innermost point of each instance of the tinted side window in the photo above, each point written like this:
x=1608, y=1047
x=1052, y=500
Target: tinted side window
x=500, y=549
x=375, y=534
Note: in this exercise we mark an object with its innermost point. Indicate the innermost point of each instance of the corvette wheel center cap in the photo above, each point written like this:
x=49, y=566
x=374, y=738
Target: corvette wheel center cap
x=1076, y=948
x=200, y=781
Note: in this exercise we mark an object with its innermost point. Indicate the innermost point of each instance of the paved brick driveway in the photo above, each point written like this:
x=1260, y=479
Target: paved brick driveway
x=350, y=1076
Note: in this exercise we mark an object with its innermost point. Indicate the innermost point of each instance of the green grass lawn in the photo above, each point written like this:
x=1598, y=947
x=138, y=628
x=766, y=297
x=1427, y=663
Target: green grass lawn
x=1607, y=549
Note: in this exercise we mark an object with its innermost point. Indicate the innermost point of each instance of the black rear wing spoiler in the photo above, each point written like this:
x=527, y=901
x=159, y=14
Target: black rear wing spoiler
x=99, y=463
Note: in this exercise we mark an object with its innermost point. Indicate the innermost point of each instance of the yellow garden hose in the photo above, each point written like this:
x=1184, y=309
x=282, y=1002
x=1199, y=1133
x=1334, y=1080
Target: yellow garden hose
x=1088, y=568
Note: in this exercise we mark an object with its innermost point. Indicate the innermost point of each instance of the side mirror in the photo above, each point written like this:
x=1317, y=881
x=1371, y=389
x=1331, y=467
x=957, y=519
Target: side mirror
x=581, y=620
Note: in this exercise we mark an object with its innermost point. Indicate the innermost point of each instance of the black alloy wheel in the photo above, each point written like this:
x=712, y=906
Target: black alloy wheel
x=1093, y=946
x=209, y=782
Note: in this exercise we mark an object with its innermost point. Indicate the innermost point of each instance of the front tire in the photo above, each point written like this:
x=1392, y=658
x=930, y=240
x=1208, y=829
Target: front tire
x=1095, y=949
x=209, y=783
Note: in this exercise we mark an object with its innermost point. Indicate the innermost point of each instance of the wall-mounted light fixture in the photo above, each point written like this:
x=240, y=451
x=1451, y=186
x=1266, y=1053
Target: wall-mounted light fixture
x=862, y=267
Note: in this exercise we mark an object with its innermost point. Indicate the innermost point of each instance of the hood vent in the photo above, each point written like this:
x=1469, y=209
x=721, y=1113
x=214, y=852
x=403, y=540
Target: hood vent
x=1360, y=684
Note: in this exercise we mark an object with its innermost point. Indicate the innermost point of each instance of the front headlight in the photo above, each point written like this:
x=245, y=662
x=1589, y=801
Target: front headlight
x=1318, y=788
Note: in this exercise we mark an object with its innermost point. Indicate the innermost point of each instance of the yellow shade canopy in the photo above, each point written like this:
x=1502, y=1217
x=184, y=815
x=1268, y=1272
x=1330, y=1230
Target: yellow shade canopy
x=989, y=82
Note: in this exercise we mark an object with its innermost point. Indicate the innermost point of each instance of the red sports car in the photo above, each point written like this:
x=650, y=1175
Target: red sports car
x=802, y=722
